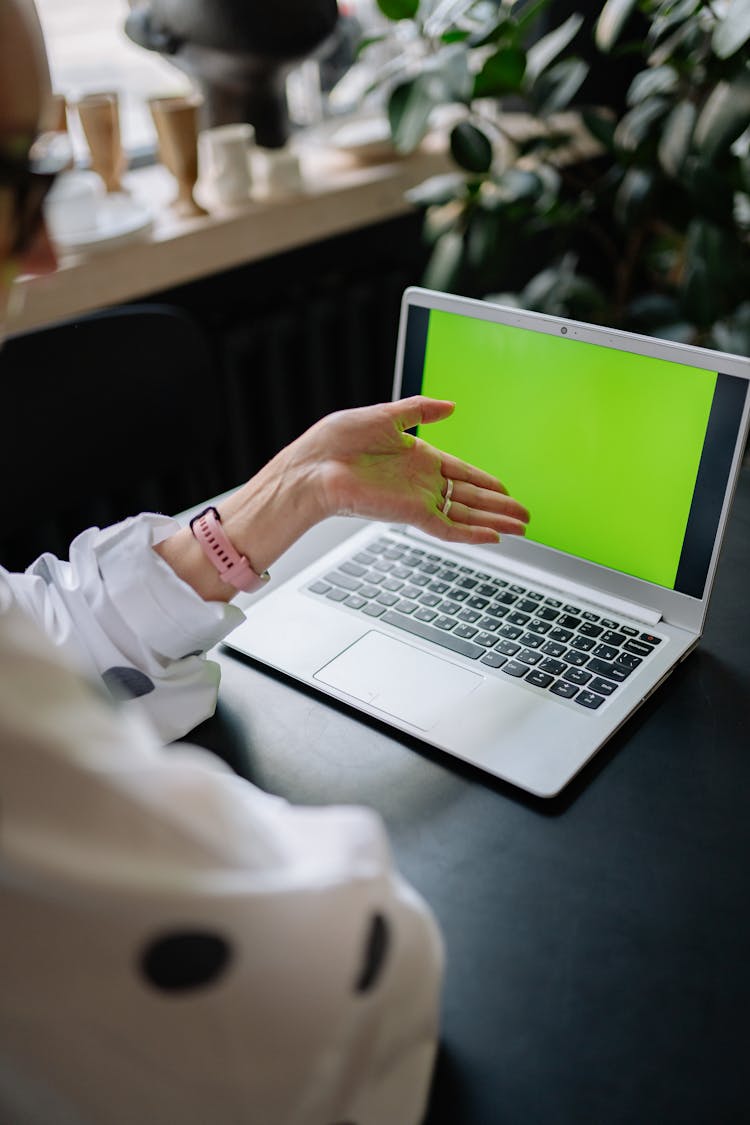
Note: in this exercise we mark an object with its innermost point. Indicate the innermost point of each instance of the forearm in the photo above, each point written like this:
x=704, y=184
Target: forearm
x=262, y=519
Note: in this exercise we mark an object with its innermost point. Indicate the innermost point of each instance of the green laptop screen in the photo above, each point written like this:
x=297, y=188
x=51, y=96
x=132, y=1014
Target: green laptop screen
x=614, y=453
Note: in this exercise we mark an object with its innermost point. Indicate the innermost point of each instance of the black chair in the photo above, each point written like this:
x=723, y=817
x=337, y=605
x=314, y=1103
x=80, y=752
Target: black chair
x=116, y=413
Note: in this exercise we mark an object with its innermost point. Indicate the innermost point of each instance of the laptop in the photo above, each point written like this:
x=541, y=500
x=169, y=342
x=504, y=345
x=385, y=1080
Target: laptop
x=524, y=657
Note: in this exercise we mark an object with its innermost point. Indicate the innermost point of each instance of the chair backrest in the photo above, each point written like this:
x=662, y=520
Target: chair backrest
x=103, y=417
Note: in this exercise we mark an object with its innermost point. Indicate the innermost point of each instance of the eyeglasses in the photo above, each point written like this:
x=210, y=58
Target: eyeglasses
x=30, y=175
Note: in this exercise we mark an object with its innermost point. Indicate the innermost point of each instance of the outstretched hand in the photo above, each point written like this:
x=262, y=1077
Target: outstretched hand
x=369, y=466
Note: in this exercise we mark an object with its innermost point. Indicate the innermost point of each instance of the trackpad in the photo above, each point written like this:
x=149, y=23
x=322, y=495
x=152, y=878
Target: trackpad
x=400, y=680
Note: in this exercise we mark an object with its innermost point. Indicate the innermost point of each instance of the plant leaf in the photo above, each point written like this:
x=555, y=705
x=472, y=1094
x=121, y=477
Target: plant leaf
x=409, y=109
x=546, y=49
x=470, y=148
x=502, y=73
x=399, y=9
x=601, y=126
x=437, y=190
x=367, y=42
x=733, y=31
x=633, y=195
x=725, y=116
x=444, y=267
x=555, y=88
x=613, y=17
x=654, y=80
x=676, y=136
x=636, y=125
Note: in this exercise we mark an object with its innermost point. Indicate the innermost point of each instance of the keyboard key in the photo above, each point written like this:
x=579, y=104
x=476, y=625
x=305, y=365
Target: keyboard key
x=476, y=602
x=411, y=591
x=448, y=574
x=430, y=633
x=336, y=578
x=337, y=595
x=487, y=622
x=429, y=599
x=546, y=613
x=572, y=609
x=566, y=621
x=420, y=579
x=608, y=623
x=554, y=667
x=534, y=596
x=374, y=610
x=505, y=598
x=588, y=629
x=577, y=659
x=392, y=584
x=497, y=611
x=383, y=566
x=608, y=670
x=508, y=648
x=650, y=639
x=486, y=590
x=469, y=615
x=354, y=601
x=588, y=616
x=628, y=630
x=467, y=583
x=628, y=660
x=395, y=552
x=605, y=652
x=526, y=605
x=611, y=638
x=487, y=640
x=429, y=567
x=588, y=699
x=603, y=687
x=553, y=602
x=583, y=644
x=553, y=648
x=401, y=571
x=439, y=587
x=445, y=622
x=531, y=640
x=355, y=569
x=386, y=599
x=369, y=591
x=404, y=606
x=527, y=656
x=517, y=618
x=577, y=676
x=537, y=626
x=493, y=659
x=425, y=614
x=564, y=689
x=364, y=558
x=465, y=631
x=512, y=632
x=319, y=587
x=558, y=634
x=638, y=647
x=539, y=678
x=513, y=668
x=517, y=589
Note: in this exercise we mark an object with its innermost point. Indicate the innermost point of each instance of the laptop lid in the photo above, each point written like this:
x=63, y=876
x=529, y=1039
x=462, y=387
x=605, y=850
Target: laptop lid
x=626, y=449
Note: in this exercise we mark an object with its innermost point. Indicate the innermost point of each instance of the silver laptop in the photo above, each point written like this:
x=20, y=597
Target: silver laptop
x=525, y=657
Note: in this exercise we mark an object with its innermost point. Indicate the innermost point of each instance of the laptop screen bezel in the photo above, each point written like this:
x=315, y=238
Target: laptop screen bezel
x=676, y=608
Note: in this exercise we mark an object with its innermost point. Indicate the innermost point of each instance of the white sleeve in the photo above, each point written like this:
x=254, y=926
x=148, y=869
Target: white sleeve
x=119, y=612
x=177, y=945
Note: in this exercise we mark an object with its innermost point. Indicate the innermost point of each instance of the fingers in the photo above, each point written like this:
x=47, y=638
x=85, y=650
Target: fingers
x=471, y=498
x=419, y=410
x=462, y=471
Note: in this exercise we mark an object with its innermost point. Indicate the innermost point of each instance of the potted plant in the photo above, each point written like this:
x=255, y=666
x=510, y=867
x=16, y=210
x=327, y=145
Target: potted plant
x=652, y=231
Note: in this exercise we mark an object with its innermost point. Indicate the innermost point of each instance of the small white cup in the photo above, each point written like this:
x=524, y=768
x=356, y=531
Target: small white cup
x=224, y=162
x=279, y=170
x=70, y=209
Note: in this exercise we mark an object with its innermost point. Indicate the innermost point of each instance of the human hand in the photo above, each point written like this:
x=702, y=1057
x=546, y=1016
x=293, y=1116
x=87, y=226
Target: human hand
x=368, y=466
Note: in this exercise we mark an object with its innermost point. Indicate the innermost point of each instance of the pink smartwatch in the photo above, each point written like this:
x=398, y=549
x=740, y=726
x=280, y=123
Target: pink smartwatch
x=233, y=568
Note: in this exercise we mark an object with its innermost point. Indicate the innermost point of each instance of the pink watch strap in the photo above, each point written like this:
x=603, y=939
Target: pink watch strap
x=233, y=568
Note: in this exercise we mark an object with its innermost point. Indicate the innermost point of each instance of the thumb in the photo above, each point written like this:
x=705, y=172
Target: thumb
x=420, y=410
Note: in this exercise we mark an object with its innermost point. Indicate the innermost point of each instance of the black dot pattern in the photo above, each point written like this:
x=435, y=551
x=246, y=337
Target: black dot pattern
x=180, y=962
x=127, y=683
x=376, y=949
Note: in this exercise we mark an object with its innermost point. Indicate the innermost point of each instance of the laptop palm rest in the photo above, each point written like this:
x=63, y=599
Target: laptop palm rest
x=399, y=680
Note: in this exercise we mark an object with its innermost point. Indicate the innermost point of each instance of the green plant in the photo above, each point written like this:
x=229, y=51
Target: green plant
x=653, y=232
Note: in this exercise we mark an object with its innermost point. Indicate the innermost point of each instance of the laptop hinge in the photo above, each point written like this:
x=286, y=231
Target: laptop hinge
x=554, y=582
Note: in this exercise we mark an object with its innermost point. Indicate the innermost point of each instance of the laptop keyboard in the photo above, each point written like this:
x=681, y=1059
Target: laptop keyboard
x=550, y=643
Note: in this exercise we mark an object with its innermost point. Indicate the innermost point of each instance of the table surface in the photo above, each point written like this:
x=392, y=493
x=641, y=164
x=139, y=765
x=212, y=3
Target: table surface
x=598, y=944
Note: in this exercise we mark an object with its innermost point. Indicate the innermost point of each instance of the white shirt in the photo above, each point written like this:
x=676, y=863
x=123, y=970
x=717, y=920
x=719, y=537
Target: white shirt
x=175, y=945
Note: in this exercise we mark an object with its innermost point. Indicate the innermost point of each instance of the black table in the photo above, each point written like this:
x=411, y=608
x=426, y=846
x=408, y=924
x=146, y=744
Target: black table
x=599, y=943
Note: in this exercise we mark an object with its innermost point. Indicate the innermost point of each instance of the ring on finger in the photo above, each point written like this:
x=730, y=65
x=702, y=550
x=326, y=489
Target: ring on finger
x=447, y=498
